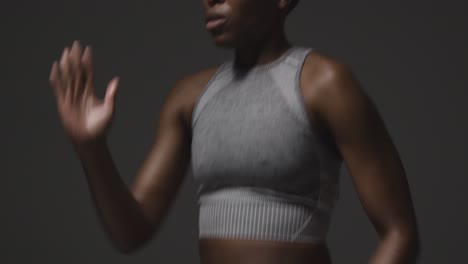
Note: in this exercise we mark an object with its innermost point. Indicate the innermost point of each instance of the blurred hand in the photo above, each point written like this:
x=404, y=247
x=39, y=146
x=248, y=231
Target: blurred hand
x=85, y=117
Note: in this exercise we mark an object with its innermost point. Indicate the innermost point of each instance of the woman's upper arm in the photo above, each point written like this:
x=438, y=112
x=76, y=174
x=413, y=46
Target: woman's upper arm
x=368, y=151
x=162, y=172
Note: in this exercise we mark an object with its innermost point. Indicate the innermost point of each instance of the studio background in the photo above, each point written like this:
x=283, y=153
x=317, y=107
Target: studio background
x=410, y=57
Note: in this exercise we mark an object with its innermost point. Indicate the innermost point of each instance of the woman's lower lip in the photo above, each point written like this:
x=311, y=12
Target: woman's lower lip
x=212, y=24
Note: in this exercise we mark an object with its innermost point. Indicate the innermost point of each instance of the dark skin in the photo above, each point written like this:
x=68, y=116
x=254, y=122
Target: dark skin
x=343, y=114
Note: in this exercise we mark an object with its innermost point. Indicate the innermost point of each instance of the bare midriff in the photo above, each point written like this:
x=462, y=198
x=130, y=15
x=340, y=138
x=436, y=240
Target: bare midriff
x=227, y=251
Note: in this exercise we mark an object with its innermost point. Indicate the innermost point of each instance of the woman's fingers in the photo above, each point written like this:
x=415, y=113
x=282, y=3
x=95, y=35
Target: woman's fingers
x=54, y=80
x=87, y=62
x=72, y=77
x=111, y=91
x=65, y=75
x=78, y=76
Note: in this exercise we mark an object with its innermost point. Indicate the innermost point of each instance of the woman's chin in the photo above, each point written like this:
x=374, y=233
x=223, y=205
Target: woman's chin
x=222, y=41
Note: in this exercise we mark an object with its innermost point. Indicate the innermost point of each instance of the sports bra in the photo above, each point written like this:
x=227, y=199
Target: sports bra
x=261, y=169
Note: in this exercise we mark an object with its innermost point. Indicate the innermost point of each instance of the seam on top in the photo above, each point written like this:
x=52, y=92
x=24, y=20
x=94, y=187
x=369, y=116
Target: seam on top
x=295, y=115
x=323, y=156
x=296, y=234
x=301, y=100
x=197, y=101
x=311, y=125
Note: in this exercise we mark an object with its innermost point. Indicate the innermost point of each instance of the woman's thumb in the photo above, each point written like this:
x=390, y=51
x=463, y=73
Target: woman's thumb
x=111, y=91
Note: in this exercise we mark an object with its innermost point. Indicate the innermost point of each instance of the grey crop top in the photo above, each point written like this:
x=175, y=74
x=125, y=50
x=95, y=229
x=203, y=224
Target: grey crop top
x=262, y=171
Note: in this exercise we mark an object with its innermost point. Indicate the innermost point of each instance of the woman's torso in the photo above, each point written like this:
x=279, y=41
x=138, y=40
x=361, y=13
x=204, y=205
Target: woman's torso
x=260, y=145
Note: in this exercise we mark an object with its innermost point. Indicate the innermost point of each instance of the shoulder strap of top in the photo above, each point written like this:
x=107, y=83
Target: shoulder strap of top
x=222, y=77
x=287, y=77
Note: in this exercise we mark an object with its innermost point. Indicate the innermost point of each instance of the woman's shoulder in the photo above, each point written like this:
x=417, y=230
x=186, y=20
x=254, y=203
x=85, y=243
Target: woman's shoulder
x=326, y=82
x=322, y=70
x=324, y=64
x=186, y=90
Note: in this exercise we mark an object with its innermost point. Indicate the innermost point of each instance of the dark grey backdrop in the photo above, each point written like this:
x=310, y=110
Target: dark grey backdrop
x=411, y=57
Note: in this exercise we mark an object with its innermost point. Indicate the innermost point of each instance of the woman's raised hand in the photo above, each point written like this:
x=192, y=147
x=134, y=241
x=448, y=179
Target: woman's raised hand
x=84, y=116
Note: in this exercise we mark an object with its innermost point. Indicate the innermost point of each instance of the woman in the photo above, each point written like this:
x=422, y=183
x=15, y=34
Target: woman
x=266, y=133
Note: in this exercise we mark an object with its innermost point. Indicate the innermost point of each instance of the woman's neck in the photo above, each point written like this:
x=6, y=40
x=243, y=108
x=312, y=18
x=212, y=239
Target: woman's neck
x=262, y=52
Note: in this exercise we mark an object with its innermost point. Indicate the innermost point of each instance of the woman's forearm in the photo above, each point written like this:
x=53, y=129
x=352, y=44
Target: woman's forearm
x=119, y=212
x=397, y=248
